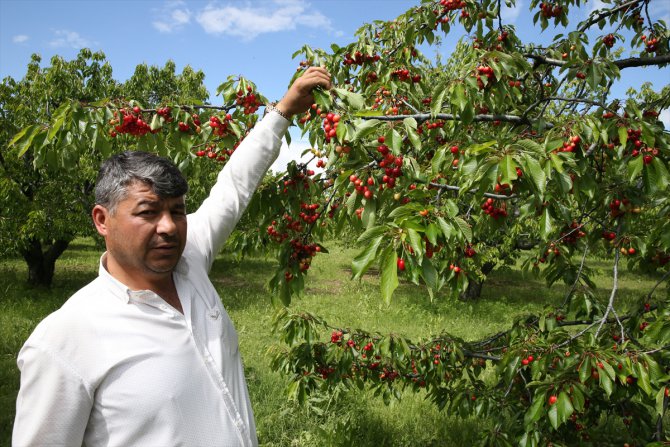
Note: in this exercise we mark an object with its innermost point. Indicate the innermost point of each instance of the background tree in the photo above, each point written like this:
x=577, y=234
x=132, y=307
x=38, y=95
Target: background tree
x=43, y=207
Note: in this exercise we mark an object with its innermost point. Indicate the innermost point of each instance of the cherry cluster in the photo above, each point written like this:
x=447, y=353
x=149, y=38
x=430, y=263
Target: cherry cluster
x=299, y=178
x=404, y=75
x=433, y=125
x=609, y=40
x=330, y=123
x=165, y=113
x=550, y=10
x=309, y=213
x=302, y=254
x=651, y=43
x=503, y=188
x=450, y=5
x=469, y=251
x=620, y=206
x=484, y=70
x=572, y=234
x=363, y=187
x=494, y=209
x=392, y=165
x=248, y=101
x=275, y=234
x=129, y=122
x=571, y=145
x=220, y=127
x=360, y=58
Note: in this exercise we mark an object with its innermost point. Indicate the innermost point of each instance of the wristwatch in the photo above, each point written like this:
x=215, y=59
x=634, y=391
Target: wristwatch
x=272, y=107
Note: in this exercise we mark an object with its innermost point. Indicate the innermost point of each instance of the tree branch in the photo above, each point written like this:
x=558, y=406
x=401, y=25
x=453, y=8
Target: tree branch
x=421, y=117
x=592, y=21
x=621, y=63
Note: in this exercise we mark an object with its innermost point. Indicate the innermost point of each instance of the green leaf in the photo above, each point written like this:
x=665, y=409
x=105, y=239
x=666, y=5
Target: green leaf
x=535, y=411
x=438, y=99
x=432, y=233
x=564, y=405
x=466, y=230
x=429, y=274
x=156, y=122
x=447, y=228
x=410, y=127
x=643, y=378
x=365, y=128
x=467, y=114
x=634, y=168
x=27, y=139
x=546, y=226
x=394, y=140
x=355, y=100
x=605, y=382
x=369, y=215
x=585, y=370
x=415, y=242
x=322, y=98
x=623, y=136
x=660, y=398
x=458, y=99
x=507, y=170
x=389, y=279
x=371, y=233
x=534, y=170
x=553, y=416
x=364, y=260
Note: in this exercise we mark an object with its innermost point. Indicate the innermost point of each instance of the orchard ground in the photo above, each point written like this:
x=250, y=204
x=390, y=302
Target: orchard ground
x=357, y=418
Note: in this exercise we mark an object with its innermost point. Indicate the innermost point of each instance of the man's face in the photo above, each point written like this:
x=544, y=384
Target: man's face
x=146, y=234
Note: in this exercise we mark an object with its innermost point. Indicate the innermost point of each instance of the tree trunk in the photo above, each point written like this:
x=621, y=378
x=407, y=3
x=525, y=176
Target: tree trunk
x=42, y=263
x=474, y=290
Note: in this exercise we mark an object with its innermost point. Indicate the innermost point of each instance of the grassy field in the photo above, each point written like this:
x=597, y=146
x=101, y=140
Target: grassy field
x=357, y=419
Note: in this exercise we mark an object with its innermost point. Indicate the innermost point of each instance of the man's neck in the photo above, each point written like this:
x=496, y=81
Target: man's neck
x=162, y=284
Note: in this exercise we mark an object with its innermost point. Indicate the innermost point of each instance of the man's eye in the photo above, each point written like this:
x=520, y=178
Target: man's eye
x=147, y=212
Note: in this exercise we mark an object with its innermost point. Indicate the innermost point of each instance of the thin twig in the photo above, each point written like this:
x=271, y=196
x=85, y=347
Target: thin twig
x=615, y=284
x=665, y=277
x=592, y=21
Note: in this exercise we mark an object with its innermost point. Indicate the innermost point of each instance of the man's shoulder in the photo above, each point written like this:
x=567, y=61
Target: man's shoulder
x=76, y=318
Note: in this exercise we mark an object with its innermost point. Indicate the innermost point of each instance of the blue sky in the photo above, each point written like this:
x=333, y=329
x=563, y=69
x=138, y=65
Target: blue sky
x=254, y=38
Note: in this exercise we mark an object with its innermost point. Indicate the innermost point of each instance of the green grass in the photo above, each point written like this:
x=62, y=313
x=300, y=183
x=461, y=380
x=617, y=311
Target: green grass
x=357, y=418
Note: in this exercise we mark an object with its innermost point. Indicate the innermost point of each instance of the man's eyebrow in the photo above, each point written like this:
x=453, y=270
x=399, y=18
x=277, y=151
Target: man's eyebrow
x=147, y=202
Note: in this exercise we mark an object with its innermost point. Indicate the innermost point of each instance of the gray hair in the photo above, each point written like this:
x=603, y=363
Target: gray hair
x=121, y=170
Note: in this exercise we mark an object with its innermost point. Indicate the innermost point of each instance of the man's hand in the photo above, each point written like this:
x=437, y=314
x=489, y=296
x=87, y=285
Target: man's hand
x=299, y=97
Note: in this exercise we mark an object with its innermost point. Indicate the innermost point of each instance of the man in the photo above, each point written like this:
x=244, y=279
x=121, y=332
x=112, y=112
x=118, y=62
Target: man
x=146, y=355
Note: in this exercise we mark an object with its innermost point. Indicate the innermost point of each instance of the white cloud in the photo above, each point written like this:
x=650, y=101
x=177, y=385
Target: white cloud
x=665, y=118
x=248, y=22
x=20, y=38
x=509, y=15
x=172, y=17
x=65, y=38
x=288, y=154
x=597, y=4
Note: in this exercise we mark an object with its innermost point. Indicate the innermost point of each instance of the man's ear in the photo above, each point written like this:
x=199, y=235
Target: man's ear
x=100, y=216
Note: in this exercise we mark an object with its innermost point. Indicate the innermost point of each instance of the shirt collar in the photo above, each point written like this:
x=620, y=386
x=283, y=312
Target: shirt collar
x=123, y=292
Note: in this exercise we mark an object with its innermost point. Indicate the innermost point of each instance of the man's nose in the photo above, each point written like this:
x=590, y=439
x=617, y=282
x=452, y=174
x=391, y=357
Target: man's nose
x=166, y=224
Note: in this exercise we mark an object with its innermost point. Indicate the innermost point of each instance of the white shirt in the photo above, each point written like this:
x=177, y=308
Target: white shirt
x=116, y=367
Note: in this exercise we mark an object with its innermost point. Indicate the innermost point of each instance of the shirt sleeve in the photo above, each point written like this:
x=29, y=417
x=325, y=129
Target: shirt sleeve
x=53, y=404
x=212, y=223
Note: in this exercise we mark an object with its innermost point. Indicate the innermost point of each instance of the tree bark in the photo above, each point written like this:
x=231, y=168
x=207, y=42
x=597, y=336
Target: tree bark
x=474, y=290
x=42, y=262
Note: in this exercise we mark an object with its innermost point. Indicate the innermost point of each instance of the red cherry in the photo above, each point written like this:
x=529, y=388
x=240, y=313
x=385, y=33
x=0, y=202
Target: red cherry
x=401, y=264
x=552, y=400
